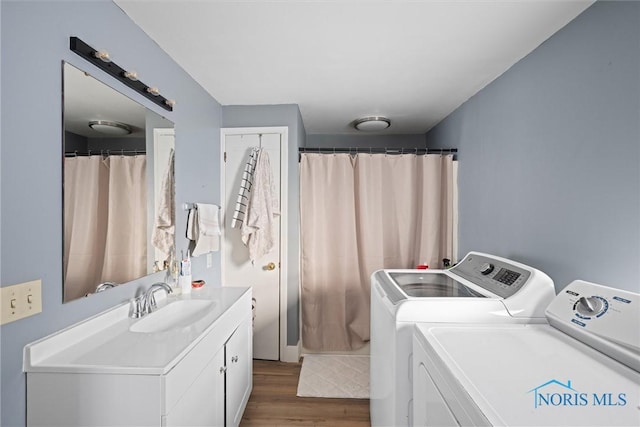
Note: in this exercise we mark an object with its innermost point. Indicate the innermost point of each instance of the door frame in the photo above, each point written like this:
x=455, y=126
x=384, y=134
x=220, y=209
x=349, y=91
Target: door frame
x=284, y=206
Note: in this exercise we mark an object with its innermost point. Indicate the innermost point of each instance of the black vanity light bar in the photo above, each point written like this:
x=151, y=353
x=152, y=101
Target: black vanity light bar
x=89, y=53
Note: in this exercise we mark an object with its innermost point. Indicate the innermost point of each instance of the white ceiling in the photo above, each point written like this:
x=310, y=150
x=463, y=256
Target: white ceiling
x=412, y=61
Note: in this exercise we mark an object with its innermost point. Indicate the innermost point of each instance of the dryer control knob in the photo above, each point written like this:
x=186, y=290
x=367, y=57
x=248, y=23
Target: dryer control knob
x=589, y=305
x=486, y=268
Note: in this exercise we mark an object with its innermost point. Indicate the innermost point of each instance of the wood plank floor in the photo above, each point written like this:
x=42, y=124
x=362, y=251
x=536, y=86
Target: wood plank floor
x=273, y=402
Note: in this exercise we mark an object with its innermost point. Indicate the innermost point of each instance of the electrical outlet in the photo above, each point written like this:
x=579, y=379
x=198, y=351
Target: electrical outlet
x=20, y=301
x=209, y=260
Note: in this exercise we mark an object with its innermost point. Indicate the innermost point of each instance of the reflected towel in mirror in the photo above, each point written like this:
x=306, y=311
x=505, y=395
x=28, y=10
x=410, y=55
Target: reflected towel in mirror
x=164, y=228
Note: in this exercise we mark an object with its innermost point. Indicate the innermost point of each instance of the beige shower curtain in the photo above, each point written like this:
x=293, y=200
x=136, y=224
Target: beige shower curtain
x=105, y=217
x=360, y=214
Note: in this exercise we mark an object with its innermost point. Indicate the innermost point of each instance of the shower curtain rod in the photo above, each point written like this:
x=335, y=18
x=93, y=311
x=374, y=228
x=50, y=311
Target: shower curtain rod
x=105, y=153
x=371, y=150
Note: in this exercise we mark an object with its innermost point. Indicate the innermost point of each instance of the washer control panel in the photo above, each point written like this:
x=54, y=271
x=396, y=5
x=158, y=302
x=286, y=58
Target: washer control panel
x=497, y=275
x=612, y=314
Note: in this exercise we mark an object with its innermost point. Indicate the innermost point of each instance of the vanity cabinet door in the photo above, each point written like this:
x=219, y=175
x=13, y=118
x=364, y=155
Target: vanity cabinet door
x=203, y=403
x=239, y=372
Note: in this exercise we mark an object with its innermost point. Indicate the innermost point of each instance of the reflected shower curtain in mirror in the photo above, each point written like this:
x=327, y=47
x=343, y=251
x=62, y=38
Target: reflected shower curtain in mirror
x=360, y=214
x=105, y=227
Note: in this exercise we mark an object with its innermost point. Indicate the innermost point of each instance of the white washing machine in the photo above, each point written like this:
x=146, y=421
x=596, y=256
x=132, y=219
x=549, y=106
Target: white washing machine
x=580, y=369
x=481, y=288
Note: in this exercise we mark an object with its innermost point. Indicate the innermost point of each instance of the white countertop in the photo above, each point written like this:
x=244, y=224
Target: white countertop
x=104, y=343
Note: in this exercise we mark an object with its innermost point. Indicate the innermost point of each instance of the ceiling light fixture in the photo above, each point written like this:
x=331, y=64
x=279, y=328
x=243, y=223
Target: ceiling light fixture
x=110, y=128
x=372, y=124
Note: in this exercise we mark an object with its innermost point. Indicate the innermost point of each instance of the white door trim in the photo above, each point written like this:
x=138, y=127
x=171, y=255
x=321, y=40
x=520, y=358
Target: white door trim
x=284, y=206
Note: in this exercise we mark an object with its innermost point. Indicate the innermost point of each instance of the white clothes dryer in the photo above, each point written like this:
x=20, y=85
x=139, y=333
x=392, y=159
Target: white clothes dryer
x=580, y=369
x=481, y=288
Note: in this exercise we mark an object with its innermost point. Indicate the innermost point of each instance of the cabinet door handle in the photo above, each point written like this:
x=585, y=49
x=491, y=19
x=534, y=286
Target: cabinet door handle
x=234, y=359
x=223, y=369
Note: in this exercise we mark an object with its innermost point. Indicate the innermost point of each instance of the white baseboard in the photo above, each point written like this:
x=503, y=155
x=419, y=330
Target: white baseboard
x=291, y=353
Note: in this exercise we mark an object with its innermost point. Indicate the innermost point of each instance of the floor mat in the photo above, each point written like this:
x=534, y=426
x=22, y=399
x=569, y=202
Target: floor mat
x=336, y=376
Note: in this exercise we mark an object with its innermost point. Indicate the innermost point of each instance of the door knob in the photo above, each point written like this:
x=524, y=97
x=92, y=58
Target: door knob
x=270, y=266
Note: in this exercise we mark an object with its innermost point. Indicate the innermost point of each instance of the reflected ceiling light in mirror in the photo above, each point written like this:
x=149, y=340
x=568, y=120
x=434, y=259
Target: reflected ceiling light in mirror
x=372, y=124
x=110, y=128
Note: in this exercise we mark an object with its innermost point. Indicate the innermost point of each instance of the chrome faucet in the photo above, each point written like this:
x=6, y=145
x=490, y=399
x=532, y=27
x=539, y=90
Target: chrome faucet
x=145, y=303
x=104, y=286
x=150, y=300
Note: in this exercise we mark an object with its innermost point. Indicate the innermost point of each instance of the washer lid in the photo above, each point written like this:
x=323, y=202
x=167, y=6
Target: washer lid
x=421, y=284
x=534, y=375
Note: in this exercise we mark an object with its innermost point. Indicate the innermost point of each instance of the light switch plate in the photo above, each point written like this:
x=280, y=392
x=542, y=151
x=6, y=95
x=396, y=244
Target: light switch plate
x=209, y=260
x=20, y=301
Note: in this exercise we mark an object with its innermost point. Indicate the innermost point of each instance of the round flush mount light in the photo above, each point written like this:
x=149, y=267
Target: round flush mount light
x=371, y=124
x=110, y=128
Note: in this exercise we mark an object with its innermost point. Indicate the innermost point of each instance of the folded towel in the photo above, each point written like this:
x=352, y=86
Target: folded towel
x=192, y=224
x=208, y=224
x=203, y=227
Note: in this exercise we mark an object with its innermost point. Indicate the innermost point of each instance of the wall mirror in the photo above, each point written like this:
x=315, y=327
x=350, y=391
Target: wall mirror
x=118, y=187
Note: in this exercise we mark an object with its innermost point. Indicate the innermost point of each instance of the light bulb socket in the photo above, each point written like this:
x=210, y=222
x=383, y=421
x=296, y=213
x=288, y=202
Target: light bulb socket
x=131, y=75
x=102, y=55
x=153, y=91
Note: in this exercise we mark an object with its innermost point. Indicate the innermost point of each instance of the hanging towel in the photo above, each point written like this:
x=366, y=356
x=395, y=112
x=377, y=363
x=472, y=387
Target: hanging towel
x=203, y=227
x=260, y=227
x=163, y=236
x=242, y=201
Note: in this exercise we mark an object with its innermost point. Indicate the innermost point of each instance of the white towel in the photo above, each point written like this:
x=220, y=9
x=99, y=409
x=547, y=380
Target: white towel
x=203, y=227
x=259, y=229
x=163, y=236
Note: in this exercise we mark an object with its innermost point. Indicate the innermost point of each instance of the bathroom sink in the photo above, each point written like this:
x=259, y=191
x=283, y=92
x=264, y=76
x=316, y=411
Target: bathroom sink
x=177, y=314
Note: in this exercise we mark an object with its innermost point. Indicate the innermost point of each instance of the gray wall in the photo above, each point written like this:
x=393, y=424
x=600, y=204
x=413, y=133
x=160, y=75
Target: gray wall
x=366, y=140
x=550, y=154
x=281, y=115
x=35, y=41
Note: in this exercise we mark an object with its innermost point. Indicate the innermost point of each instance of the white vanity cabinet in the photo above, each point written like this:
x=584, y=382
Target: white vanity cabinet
x=222, y=388
x=100, y=373
x=239, y=372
